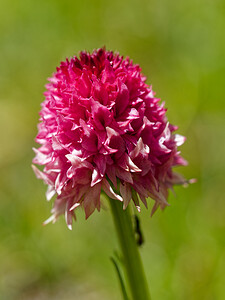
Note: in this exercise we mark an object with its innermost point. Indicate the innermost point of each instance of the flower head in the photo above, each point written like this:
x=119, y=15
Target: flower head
x=101, y=128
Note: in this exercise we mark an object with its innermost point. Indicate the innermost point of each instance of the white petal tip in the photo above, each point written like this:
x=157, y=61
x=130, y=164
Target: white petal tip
x=74, y=206
x=138, y=208
x=49, y=220
x=119, y=198
x=69, y=226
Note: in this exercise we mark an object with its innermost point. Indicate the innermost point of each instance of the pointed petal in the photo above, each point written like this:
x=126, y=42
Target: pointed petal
x=109, y=191
x=50, y=192
x=125, y=192
x=92, y=200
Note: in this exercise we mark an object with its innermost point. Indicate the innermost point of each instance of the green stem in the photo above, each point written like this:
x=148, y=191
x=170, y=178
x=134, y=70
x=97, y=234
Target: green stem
x=132, y=260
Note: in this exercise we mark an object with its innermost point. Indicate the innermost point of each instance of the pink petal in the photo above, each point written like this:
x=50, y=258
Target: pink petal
x=125, y=192
x=92, y=200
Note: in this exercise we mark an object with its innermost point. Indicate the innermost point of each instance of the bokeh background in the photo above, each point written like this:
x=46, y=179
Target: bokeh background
x=180, y=46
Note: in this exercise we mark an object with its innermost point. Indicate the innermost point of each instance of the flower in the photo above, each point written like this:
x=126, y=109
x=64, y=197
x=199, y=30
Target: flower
x=102, y=129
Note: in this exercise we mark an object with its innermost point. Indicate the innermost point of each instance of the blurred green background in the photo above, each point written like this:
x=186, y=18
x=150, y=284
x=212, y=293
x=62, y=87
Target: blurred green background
x=180, y=46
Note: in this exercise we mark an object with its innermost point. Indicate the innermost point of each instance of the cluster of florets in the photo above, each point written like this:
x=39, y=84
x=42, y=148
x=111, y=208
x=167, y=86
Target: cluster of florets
x=102, y=129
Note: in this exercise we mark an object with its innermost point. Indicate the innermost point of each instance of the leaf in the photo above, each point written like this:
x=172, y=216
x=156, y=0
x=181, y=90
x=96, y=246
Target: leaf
x=122, y=285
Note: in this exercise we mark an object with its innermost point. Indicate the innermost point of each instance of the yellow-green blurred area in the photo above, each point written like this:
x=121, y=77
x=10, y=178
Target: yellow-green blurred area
x=180, y=46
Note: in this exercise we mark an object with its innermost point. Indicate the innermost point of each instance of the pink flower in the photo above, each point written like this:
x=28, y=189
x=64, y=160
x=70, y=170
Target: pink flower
x=102, y=129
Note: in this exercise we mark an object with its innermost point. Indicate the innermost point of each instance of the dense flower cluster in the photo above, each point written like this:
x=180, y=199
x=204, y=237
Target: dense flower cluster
x=102, y=129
